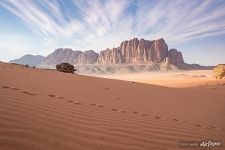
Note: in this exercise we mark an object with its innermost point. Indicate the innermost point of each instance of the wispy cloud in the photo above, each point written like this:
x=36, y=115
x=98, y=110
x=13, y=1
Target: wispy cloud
x=97, y=24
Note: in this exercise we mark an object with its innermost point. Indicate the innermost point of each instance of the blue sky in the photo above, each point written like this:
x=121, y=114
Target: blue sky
x=195, y=27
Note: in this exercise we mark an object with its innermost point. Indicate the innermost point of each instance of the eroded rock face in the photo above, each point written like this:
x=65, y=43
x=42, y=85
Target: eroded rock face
x=88, y=57
x=175, y=58
x=112, y=56
x=62, y=55
x=158, y=51
x=65, y=67
x=69, y=56
x=136, y=52
x=219, y=71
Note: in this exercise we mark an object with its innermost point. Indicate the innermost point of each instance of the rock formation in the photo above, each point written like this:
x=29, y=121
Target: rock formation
x=219, y=71
x=69, y=56
x=113, y=56
x=62, y=55
x=175, y=57
x=130, y=56
x=141, y=52
x=135, y=54
x=88, y=57
x=132, y=52
x=31, y=60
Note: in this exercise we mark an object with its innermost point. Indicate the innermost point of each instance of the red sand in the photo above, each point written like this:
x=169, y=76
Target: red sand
x=44, y=109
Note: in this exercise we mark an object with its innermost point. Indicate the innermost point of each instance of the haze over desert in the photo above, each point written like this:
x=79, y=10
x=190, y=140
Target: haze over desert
x=177, y=78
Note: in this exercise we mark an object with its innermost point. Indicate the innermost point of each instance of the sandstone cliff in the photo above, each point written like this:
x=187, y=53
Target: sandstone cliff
x=175, y=58
x=134, y=54
x=88, y=57
x=141, y=52
x=134, y=51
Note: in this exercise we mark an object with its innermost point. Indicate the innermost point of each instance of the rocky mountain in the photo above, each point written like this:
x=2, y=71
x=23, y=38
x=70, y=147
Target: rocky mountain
x=174, y=57
x=69, y=56
x=134, y=51
x=88, y=57
x=31, y=60
x=133, y=55
x=141, y=51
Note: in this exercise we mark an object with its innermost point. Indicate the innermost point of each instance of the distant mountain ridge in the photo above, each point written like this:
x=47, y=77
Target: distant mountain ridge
x=69, y=56
x=132, y=54
x=31, y=60
x=133, y=51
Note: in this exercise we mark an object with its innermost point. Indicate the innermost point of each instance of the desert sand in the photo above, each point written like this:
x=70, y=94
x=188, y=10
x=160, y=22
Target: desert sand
x=50, y=110
x=176, y=78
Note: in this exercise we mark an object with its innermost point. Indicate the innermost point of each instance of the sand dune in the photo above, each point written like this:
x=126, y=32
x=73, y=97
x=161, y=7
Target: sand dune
x=44, y=109
x=180, y=79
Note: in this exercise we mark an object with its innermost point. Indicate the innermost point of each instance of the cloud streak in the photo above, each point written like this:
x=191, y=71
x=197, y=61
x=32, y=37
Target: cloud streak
x=97, y=24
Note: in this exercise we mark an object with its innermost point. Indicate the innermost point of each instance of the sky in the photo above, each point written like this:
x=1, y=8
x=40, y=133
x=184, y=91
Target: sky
x=38, y=27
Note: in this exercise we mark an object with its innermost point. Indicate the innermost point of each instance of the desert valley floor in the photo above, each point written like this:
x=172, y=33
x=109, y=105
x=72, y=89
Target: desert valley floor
x=49, y=110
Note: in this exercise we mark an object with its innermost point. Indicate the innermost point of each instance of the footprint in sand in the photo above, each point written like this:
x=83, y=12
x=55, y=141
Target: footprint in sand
x=16, y=89
x=6, y=87
x=75, y=102
x=50, y=95
x=175, y=119
x=25, y=92
x=198, y=125
x=221, y=129
x=210, y=127
x=28, y=93
x=122, y=111
x=157, y=118
x=31, y=94
x=134, y=112
x=78, y=103
x=60, y=97
x=13, y=88
x=97, y=105
x=142, y=114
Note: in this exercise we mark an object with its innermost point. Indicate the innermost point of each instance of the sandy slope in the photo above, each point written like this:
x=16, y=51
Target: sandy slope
x=181, y=79
x=43, y=109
